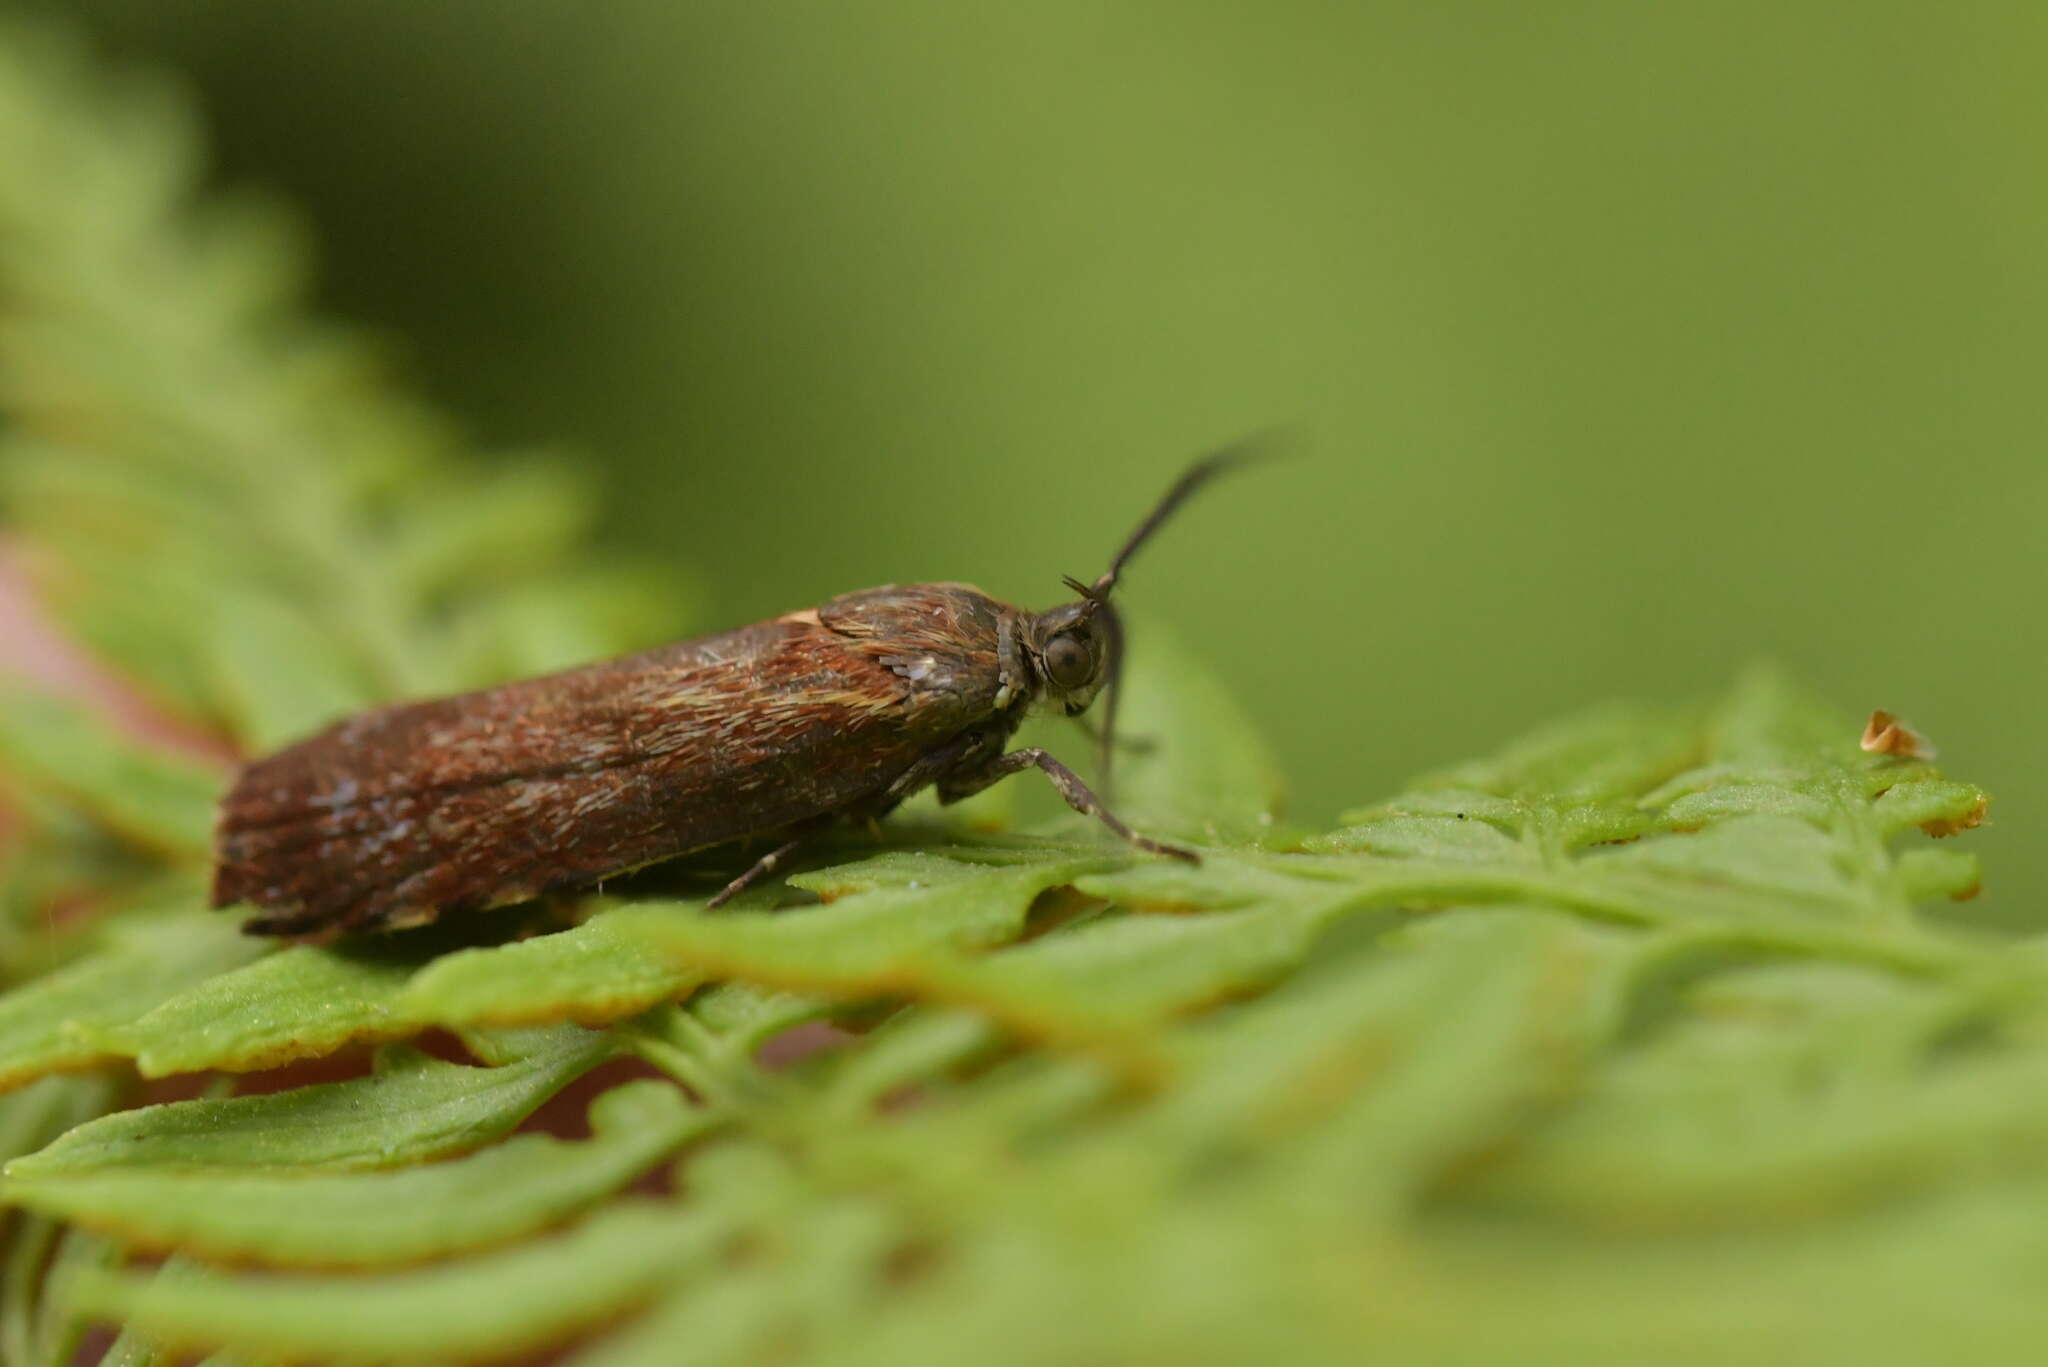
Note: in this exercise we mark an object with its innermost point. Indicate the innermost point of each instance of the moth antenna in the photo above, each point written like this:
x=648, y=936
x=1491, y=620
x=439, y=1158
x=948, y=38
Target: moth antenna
x=1241, y=452
x=1245, y=450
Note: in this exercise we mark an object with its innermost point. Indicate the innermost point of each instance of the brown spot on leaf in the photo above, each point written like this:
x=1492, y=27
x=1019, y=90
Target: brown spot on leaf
x=801, y=1042
x=1946, y=826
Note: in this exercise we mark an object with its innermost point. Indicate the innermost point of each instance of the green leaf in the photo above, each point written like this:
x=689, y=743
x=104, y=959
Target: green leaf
x=815, y=1295
x=279, y=676
x=130, y=1349
x=412, y=1109
x=1443, y=1037
x=568, y=618
x=594, y=973
x=1721, y=1120
x=301, y=1003
x=627, y=958
x=1934, y=804
x=38, y=1113
x=1490, y=1021
x=24, y=1263
x=161, y=803
x=56, y=1023
x=1200, y=768
x=1606, y=753
x=1774, y=854
x=532, y=510
x=746, y=1016
x=284, y=1216
x=36, y=1256
x=1399, y=835
x=480, y=1308
x=887, y=917
x=1108, y=981
x=61, y=1324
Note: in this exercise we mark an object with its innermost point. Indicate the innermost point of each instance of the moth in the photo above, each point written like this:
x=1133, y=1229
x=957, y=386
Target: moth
x=834, y=713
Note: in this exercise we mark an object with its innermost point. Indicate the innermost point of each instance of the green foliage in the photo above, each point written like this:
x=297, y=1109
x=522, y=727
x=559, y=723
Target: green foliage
x=1635, y=1034
x=275, y=1212
x=58, y=1020
x=413, y=1108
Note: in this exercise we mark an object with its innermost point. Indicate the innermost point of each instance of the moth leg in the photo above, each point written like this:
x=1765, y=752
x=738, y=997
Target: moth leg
x=1125, y=745
x=968, y=752
x=761, y=868
x=1065, y=781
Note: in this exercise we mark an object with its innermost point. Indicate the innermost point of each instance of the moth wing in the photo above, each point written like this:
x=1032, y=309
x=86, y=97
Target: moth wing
x=493, y=796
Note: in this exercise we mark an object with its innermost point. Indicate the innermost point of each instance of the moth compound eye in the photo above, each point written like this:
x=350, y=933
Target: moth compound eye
x=1069, y=661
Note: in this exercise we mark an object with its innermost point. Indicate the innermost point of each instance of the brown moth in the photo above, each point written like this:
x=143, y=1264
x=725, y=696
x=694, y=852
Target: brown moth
x=837, y=712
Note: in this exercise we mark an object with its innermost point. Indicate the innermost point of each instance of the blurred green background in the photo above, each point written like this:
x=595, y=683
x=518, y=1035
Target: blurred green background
x=1629, y=342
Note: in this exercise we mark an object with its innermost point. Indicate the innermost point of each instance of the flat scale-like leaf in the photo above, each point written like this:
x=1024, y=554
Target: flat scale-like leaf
x=283, y=1215
x=161, y=802
x=57, y=1022
x=480, y=1308
x=1196, y=767
x=890, y=917
x=301, y=1003
x=412, y=1109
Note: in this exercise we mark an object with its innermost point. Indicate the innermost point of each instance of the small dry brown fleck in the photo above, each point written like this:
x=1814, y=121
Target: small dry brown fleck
x=1947, y=825
x=1885, y=734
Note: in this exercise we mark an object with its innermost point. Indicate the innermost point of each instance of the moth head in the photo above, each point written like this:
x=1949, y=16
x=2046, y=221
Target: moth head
x=1077, y=647
x=1073, y=649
